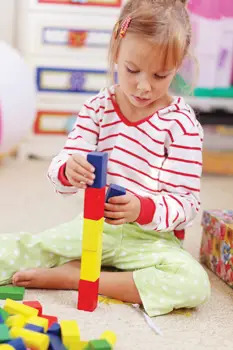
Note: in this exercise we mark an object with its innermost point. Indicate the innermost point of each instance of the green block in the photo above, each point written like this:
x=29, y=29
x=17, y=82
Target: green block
x=14, y=293
x=4, y=333
x=100, y=344
x=4, y=314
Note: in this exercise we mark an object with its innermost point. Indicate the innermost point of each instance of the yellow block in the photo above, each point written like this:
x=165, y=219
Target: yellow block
x=39, y=321
x=92, y=234
x=16, y=321
x=70, y=334
x=32, y=339
x=6, y=347
x=12, y=307
x=91, y=265
x=110, y=337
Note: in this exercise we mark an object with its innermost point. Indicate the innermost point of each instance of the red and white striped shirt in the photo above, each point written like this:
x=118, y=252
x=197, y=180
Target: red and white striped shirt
x=159, y=157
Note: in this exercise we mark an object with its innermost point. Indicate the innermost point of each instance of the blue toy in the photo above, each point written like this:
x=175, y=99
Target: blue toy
x=115, y=191
x=99, y=161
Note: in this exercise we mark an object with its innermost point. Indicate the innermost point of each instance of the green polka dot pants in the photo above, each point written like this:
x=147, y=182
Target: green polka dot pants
x=166, y=276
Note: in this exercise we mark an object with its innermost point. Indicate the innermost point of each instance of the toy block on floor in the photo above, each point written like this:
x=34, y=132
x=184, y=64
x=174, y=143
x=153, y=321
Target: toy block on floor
x=14, y=293
x=4, y=314
x=115, y=191
x=32, y=339
x=88, y=295
x=6, y=347
x=18, y=344
x=4, y=333
x=34, y=328
x=12, y=307
x=70, y=334
x=55, y=329
x=55, y=343
x=99, y=160
x=90, y=265
x=99, y=344
x=92, y=203
x=16, y=321
x=35, y=304
x=92, y=235
x=39, y=321
x=109, y=336
x=51, y=319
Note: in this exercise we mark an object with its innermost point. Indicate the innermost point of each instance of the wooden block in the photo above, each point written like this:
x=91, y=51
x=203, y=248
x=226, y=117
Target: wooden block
x=94, y=203
x=99, y=344
x=4, y=314
x=34, y=328
x=55, y=342
x=14, y=293
x=90, y=265
x=51, y=319
x=32, y=339
x=39, y=321
x=88, y=295
x=4, y=333
x=6, y=347
x=70, y=334
x=109, y=336
x=55, y=329
x=115, y=191
x=17, y=344
x=16, y=321
x=35, y=304
x=12, y=307
x=99, y=160
x=92, y=235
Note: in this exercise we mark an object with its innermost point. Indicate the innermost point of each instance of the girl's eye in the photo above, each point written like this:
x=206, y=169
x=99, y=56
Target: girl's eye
x=131, y=71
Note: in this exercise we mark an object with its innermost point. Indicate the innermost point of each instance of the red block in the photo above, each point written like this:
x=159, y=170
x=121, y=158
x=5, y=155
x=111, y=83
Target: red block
x=88, y=295
x=51, y=319
x=94, y=203
x=35, y=305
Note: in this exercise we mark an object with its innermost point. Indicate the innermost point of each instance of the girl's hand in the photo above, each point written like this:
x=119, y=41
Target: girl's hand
x=79, y=172
x=122, y=209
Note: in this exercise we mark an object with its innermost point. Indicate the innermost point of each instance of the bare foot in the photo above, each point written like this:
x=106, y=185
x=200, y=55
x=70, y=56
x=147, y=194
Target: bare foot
x=61, y=277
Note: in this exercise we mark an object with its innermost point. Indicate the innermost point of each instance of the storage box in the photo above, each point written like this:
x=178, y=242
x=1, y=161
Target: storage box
x=217, y=243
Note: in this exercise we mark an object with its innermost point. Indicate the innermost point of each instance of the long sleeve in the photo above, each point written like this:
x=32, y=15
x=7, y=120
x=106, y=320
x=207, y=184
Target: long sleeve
x=82, y=140
x=177, y=201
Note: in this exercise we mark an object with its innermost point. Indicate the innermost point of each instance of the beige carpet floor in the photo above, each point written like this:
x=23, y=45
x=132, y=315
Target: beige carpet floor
x=28, y=203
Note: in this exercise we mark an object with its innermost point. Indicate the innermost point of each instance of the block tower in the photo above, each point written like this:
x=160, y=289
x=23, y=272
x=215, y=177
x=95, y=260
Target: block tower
x=92, y=234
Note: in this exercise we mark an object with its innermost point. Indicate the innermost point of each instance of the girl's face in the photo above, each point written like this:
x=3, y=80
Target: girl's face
x=141, y=73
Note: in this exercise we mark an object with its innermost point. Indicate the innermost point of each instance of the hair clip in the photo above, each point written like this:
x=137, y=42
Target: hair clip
x=125, y=26
x=116, y=29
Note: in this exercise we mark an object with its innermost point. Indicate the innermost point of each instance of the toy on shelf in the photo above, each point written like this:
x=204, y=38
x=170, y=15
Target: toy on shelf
x=27, y=334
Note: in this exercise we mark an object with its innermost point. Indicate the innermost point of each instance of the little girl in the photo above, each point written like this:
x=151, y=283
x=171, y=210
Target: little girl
x=154, y=145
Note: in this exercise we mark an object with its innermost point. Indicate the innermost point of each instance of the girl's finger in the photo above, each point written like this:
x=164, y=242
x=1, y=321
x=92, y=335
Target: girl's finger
x=77, y=177
x=115, y=222
x=120, y=199
x=114, y=215
x=84, y=163
x=115, y=207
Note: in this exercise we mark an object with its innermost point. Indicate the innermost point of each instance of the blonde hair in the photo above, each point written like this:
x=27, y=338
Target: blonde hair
x=163, y=22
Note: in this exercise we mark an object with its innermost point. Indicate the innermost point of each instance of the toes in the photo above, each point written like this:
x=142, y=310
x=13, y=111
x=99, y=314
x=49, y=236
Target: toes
x=22, y=277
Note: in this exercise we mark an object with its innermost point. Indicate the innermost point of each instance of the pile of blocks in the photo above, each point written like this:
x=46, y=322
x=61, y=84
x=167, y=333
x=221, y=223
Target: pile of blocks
x=23, y=326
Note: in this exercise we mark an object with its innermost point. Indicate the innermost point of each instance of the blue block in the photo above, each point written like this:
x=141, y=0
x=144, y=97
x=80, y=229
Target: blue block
x=55, y=329
x=99, y=161
x=1, y=319
x=18, y=344
x=34, y=328
x=55, y=342
x=115, y=191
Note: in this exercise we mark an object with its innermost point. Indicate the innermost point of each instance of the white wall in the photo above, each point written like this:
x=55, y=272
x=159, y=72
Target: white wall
x=7, y=21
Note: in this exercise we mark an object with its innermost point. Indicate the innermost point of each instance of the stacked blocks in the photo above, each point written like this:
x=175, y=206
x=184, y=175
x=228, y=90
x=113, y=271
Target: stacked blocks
x=28, y=335
x=92, y=234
